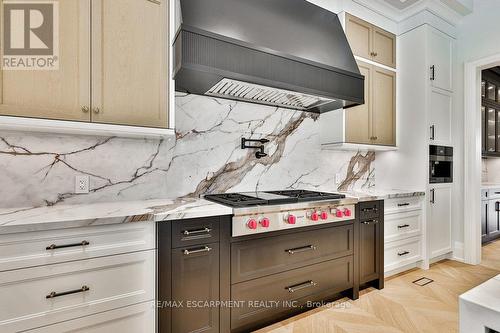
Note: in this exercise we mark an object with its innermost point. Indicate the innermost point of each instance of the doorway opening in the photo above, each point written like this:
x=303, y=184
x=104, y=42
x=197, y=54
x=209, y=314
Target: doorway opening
x=477, y=141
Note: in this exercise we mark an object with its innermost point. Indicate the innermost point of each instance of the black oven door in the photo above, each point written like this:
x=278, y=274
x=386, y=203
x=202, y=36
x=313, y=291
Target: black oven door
x=440, y=170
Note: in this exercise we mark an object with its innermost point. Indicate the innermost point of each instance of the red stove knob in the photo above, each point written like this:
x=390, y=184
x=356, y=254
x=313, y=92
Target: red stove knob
x=314, y=216
x=347, y=212
x=338, y=213
x=252, y=224
x=291, y=219
x=265, y=222
x=324, y=215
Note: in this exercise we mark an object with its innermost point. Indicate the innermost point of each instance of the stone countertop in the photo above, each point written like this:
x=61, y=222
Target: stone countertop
x=487, y=186
x=480, y=307
x=382, y=194
x=67, y=216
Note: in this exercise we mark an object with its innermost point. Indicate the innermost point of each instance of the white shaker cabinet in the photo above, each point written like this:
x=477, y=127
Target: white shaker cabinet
x=439, y=221
x=440, y=117
x=440, y=51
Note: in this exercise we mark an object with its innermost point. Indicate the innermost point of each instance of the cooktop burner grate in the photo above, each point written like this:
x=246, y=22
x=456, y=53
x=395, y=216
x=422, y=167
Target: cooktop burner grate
x=235, y=199
x=305, y=195
x=271, y=197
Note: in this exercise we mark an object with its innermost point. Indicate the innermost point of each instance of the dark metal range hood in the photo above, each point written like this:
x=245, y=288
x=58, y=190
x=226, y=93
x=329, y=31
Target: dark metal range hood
x=287, y=53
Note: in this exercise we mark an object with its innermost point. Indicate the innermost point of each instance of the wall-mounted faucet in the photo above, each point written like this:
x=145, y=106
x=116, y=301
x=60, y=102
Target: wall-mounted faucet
x=258, y=154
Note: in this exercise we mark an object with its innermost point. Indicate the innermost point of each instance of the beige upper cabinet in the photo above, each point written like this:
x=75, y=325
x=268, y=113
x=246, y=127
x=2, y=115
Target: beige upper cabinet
x=370, y=42
x=375, y=121
x=113, y=67
x=129, y=68
x=55, y=94
x=358, y=118
x=383, y=104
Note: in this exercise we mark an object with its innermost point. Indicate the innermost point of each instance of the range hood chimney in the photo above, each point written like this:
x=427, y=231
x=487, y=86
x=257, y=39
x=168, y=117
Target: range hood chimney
x=286, y=53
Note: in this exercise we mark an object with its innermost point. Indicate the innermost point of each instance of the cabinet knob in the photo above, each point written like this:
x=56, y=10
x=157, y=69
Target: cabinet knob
x=97, y=110
x=375, y=54
x=85, y=109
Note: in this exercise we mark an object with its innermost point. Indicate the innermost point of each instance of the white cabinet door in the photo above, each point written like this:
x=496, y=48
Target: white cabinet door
x=130, y=319
x=440, y=48
x=439, y=224
x=440, y=108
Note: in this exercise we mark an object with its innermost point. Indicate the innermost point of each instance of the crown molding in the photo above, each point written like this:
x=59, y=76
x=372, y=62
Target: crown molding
x=440, y=8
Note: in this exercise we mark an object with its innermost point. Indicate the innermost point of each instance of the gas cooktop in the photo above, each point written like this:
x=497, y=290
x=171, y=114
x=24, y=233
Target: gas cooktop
x=248, y=199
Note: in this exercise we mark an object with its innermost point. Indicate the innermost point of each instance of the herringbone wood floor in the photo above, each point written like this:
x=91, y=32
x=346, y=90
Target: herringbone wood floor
x=402, y=306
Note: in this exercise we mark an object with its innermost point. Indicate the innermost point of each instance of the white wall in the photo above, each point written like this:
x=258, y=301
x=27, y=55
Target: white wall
x=491, y=170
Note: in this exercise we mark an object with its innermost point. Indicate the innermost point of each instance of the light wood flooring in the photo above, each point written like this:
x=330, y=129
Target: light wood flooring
x=401, y=306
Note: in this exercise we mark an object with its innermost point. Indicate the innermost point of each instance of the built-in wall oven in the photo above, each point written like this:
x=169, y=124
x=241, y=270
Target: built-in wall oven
x=440, y=164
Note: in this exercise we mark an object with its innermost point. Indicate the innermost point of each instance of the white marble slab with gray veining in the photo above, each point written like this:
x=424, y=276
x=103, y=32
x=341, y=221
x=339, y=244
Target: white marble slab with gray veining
x=82, y=215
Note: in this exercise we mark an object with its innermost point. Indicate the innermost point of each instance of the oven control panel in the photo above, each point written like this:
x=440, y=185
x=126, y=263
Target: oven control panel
x=259, y=223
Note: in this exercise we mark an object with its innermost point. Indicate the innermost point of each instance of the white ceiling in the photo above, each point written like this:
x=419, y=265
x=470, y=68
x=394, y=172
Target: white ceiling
x=401, y=4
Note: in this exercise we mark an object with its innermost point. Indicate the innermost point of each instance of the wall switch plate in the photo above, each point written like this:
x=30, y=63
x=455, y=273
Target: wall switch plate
x=82, y=184
x=338, y=178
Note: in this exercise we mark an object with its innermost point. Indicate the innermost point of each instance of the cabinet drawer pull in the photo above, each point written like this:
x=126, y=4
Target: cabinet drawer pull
x=401, y=226
x=54, y=246
x=403, y=253
x=199, y=250
x=54, y=294
x=301, y=286
x=197, y=231
x=370, y=222
x=403, y=204
x=301, y=249
x=433, y=72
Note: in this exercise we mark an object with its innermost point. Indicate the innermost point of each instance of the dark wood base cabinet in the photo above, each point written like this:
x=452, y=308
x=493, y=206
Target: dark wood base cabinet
x=371, y=243
x=211, y=282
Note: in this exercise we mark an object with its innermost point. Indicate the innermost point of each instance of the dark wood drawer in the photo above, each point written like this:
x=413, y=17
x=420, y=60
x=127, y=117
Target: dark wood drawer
x=331, y=276
x=195, y=231
x=260, y=257
x=369, y=210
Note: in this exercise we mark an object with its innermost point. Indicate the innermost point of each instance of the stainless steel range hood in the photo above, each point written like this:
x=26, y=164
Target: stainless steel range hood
x=287, y=53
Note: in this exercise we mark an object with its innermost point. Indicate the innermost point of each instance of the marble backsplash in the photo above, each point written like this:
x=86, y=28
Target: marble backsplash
x=204, y=157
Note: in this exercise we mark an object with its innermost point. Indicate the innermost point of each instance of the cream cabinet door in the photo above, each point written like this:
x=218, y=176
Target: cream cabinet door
x=383, y=106
x=384, y=47
x=55, y=94
x=129, y=62
x=359, y=35
x=358, y=122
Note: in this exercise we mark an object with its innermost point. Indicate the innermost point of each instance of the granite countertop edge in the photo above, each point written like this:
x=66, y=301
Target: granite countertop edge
x=85, y=215
x=383, y=194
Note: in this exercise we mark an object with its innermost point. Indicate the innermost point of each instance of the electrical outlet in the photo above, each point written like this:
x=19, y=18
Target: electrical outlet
x=82, y=184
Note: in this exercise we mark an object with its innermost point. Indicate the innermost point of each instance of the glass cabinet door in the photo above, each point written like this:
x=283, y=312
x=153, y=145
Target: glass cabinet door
x=491, y=90
x=497, y=135
x=491, y=131
x=483, y=129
